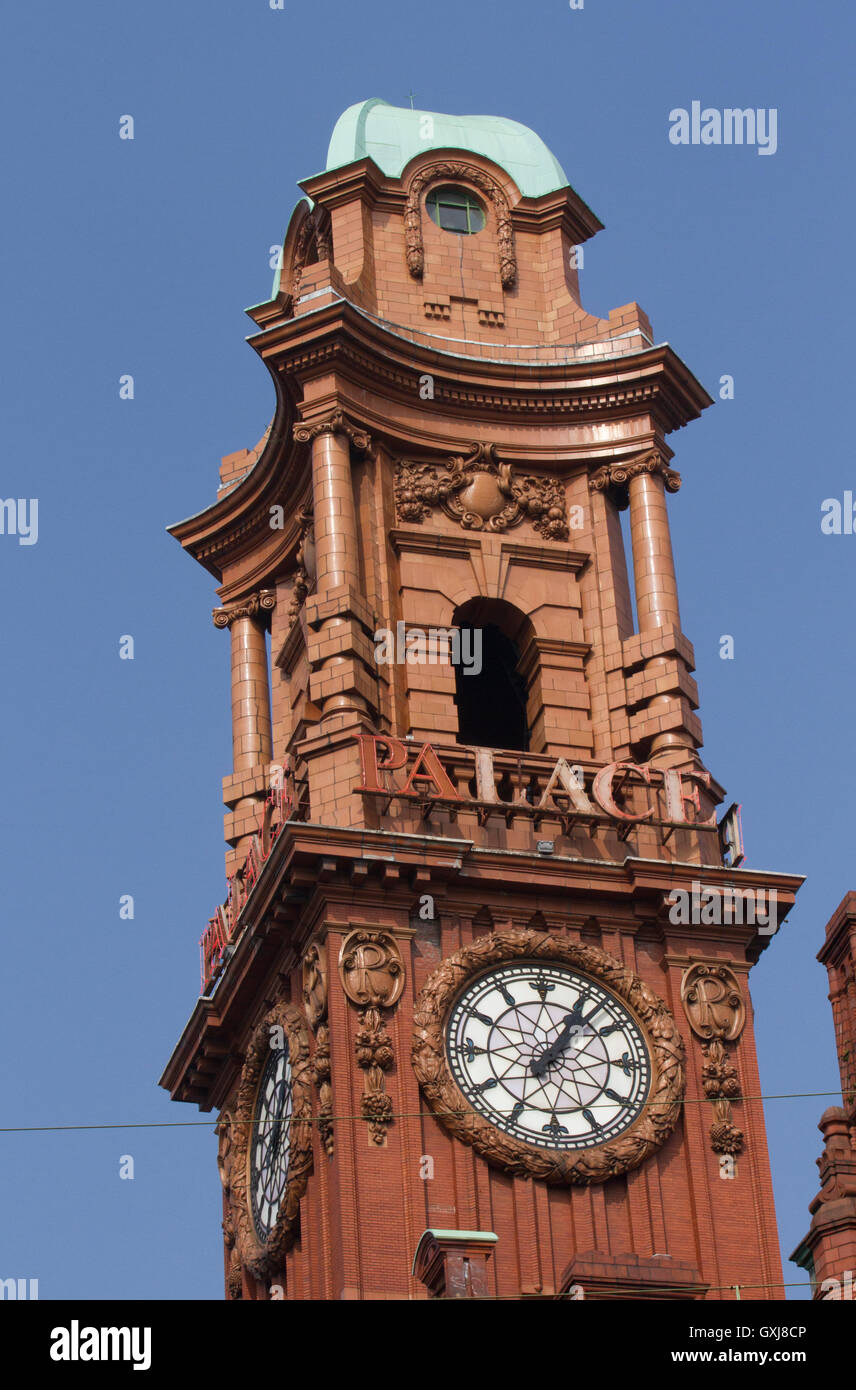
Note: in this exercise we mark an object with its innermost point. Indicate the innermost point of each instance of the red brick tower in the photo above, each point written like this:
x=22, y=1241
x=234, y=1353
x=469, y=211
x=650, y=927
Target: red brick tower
x=475, y=1014
x=829, y=1250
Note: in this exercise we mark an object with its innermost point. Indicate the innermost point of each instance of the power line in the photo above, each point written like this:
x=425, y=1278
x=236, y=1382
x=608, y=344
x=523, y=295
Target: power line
x=396, y=1115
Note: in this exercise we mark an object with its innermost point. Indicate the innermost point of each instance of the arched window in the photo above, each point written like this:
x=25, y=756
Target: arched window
x=490, y=692
x=455, y=210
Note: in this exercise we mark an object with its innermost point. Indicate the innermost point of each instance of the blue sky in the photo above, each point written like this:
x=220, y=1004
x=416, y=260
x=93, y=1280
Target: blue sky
x=140, y=257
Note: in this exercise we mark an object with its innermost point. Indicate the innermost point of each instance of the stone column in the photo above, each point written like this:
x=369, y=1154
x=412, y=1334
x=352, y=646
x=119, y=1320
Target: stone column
x=335, y=674
x=654, y=579
x=653, y=565
x=333, y=507
x=251, y=722
x=656, y=661
x=251, y=730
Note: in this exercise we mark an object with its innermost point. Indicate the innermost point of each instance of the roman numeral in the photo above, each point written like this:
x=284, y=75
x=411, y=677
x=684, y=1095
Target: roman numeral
x=589, y=1117
x=486, y=1085
x=482, y=1018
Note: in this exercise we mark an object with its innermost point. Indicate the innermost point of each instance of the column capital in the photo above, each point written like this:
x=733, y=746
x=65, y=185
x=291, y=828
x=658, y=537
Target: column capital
x=249, y=607
x=620, y=474
x=334, y=423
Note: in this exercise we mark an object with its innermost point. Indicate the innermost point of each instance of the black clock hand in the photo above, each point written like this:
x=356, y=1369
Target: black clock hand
x=277, y=1123
x=542, y=1060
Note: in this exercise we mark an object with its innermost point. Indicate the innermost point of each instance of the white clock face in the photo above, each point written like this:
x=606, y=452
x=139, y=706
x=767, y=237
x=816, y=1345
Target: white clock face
x=271, y=1143
x=548, y=1055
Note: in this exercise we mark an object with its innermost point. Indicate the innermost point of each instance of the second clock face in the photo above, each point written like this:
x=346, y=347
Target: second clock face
x=271, y=1143
x=548, y=1055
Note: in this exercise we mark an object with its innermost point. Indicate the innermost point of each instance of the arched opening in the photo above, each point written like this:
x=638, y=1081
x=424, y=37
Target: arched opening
x=490, y=692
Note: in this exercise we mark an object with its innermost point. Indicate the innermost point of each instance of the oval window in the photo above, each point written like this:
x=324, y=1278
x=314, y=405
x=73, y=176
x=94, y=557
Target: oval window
x=455, y=210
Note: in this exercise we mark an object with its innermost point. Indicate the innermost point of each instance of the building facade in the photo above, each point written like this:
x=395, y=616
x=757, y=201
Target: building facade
x=828, y=1251
x=475, y=1015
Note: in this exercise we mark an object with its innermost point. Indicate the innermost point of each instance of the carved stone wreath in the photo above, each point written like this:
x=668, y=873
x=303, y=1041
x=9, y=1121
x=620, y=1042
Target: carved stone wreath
x=453, y=169
x=481, y=493
x=264, y=1259
x=599, y=1163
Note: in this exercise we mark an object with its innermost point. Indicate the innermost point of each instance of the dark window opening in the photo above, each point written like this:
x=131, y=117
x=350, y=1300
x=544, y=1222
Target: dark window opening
x=455, y=210
x=492, y=704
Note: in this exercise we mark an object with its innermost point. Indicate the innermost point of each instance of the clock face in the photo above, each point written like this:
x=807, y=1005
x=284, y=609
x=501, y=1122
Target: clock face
x=548, y=1055
x=271, y=1143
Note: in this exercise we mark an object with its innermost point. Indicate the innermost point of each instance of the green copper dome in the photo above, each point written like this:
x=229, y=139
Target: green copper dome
x=392, y=135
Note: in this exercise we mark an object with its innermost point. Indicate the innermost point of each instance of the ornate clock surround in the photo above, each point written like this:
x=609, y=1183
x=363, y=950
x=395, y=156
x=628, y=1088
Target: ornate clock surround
x=593, y=1165
x=264, y=1258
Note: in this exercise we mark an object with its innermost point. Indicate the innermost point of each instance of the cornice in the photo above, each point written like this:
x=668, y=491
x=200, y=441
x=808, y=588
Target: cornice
x=340, y=337
x=282, y=912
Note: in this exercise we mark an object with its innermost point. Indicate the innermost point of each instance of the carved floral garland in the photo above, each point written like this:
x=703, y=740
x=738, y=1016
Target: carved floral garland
x=264, y=1259
x=452, y=169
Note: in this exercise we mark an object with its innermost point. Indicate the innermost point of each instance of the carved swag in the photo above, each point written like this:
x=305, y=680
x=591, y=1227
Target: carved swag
x=481, y=493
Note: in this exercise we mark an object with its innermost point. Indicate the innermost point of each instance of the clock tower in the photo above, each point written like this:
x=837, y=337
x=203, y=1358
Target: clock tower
x=475, y=1014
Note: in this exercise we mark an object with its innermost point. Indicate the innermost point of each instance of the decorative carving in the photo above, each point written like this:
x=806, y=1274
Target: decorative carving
x=264, y=1259
x=304, y=574
x=224, y=1149
x=373, y=1047
x=716, y=1012
x=372, y=973
x=321, y=1075
x=248, y=607
x=335, y=423
x=596, y=1164
x=712, y=1002
x=481, y=493
x=315, y=985
x=371, y=968
x=315, y=1004
x=454, y=169
x=617, y=476
x=312, y=244
x=234, y=1281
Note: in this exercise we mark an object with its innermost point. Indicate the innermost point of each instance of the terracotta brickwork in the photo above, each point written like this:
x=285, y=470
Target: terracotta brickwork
x=829, y=1250
x=454, y=443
